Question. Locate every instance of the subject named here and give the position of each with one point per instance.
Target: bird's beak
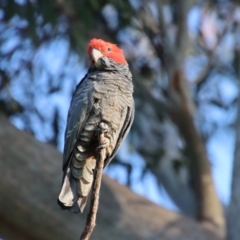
(96, 54)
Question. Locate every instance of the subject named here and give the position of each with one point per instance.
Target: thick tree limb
(30, 182)
(181, 111)
(210, 211)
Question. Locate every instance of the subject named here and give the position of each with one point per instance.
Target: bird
(101, 103)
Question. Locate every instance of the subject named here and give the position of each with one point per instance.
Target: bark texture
(30, 182)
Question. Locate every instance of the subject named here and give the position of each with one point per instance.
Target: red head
(107, 49)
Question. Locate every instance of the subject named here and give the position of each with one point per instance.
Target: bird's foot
(104, 143)
(103, 139)
(103, 127)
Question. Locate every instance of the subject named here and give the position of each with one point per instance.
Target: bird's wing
(78, 113)
(124, 131)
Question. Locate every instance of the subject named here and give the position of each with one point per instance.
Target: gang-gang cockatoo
(102, 102)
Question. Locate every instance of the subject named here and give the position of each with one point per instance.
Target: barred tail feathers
(76, 186)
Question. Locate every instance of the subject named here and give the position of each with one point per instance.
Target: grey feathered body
(103, 96)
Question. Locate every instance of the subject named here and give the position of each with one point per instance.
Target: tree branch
(181, 112)
(182, 39)
(30, 181)
(211, 52)
(91, 218)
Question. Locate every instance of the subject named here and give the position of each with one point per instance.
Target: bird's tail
(76, 186)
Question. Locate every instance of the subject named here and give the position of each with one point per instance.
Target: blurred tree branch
(211, 53)
(210, 210)
(234, 206)
(30, 172)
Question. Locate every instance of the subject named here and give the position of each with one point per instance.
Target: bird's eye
(109, 49)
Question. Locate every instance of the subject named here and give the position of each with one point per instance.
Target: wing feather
(124, 132)
(78, 113)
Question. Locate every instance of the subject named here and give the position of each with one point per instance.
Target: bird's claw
(102, 127)
(104, 144)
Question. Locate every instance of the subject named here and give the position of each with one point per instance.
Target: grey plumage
(103, 96)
